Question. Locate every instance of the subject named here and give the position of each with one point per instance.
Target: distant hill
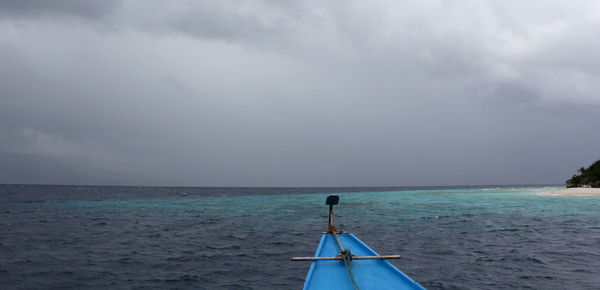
(34, 169)
(587, 177)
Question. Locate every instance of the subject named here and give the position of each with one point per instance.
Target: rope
(347, 258)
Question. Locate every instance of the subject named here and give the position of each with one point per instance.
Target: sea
(111, 237)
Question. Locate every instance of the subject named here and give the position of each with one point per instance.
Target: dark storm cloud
(36, 8)
(222, 20)
(304, 93)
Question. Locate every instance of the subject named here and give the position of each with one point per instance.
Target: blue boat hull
(369, 274)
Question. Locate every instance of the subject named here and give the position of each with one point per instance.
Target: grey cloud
(37, 8)
(232, 21)
(304, 94)
(510, 93)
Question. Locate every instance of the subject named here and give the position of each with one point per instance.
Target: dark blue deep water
(68, 237)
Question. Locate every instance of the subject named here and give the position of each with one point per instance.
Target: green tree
(587, 176)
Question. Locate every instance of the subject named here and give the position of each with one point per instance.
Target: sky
(300, 93)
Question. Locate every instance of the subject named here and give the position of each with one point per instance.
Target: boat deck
(369, 274)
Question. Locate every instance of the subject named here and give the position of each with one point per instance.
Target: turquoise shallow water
(471, 238)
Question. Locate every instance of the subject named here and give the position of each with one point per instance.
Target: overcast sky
(305, 93)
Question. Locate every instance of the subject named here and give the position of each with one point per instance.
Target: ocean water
(66, 237)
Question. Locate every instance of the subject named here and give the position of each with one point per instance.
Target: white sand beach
(577, 191)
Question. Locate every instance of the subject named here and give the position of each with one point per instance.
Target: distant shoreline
(38, 192)
(577, 191)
